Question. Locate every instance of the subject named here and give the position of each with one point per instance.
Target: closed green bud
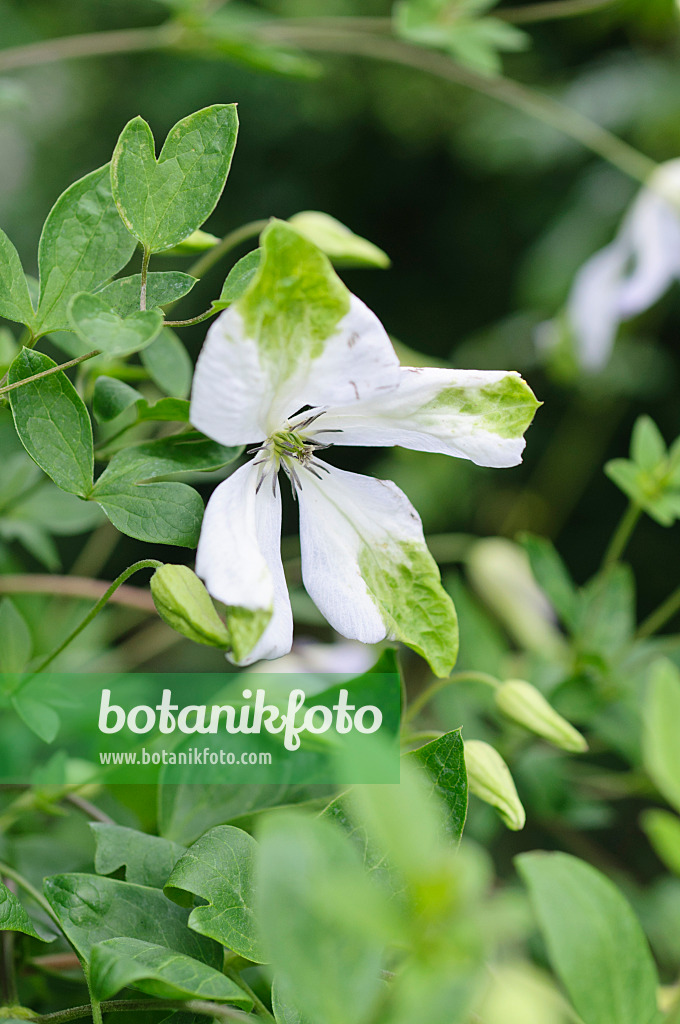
(183, 602)
(197, 241)
(489, 778)
(340, 244)
(523, 703)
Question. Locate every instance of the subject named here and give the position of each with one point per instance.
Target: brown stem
(77, 587)
(91, 44)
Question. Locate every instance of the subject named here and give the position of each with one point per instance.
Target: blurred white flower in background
(631, 273)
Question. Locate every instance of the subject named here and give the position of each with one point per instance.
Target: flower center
(292, 445)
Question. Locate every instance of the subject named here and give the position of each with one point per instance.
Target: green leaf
(187, 811)
(97, 326)
(219, 868)
(92, 909)
(647, 446)
(118, 963)
(41, 718)
(282, 1005)
(162, 202)
(15, 301)
(148, 859)
(238, 280)
(16, 645)
(326, 924)
(83, 244)
(13, 917)
(594, 940)
(663, 831)
(122, 295)
(606, 621)
(444, 761)
(52, 423)
(163, 513)
(168, 364)
(661, 714)
(112, 397)
(344, 248)
(553, 577)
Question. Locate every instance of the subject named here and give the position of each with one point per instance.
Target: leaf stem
(78, 587)
(194, 319)
(245, 987)
(199, 1006)
(622, 535)
(535, 104)
(146, 563)
(229, 242)
(38, 897)
(417, 705)
(146, 256)
(52, 369)
(660, 616)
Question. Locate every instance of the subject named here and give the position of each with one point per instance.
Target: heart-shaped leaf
(162, 201)
(99, 326)
(82, 245)
(219, 868)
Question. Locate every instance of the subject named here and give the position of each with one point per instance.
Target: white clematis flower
(296, 365)
(632, 272)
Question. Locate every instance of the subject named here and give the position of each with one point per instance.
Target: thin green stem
(146, 563)
(194, 319)
(658, 618)
(52, 369)
(38, 897)
(9, 977)
(535, 104)
(146, 256)
(229, 242)
(622, 535)
(417, 705)
(245, 987)
(217, 1011)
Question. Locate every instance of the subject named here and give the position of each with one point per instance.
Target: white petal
(231, 390)
(653, 231)
(594, 304)
(356, 362)
(240, 394)
(474, 414)
(367, 568)
(239, 556)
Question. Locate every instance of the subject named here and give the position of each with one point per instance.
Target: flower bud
(197, 241)
(500, 572)
(338, 242)
(523, 703)
(183, 602)
(489, 778)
